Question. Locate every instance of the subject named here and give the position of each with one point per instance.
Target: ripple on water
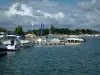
(54, 60)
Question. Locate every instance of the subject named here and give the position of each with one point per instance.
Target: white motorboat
(73, 41)
(12, 43)
(39, 41)
(26, 43)
(2, 34)
(3, 49)
(54, 40)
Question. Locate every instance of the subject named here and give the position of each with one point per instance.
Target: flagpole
(41, 29)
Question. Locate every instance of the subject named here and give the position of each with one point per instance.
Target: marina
(53, 54)
(54, 60)
(49, 37)
(14, 42)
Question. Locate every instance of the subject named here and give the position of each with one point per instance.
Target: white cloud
(57, 16)
(92, 13)
(93, 1)
(28, 11)
(25, 10)
(85, 15)
(21, 14)
(46, 0)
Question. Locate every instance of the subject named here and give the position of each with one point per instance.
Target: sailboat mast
(32, 26)
(49, 29)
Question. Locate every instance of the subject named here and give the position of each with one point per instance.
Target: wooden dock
(59, 43)
(53, 43)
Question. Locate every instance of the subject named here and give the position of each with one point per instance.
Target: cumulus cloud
(21, 14)
(25, 11)
(92, 12)
(85, 15)
(57, 16)
(90, 4)
(28, 11)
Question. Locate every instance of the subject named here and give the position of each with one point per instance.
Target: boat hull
(27, 44)
(72, 43)
(13, 48)
(3, 51)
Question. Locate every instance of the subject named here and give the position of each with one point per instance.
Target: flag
(42, 27)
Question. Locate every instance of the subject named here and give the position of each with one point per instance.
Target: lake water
(83, 59)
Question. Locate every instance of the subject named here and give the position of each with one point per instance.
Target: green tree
(52, 29)
(19, 30)
(83, 31)
(3, 30)
(46, 31)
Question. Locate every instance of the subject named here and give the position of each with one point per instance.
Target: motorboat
(3, 49)
(73, 41)
(40, 40)
(47, 40)
(12, 42)
(2, 35)
(26, 43)
(54, 40)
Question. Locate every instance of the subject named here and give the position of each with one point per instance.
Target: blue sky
(67, 1)
(5, 2)
(61, 13)
(9, 2)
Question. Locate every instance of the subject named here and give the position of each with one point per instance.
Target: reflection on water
(54, 60)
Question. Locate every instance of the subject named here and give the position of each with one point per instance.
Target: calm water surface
(83, 59)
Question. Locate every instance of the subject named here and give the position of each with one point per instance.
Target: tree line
(52, 30)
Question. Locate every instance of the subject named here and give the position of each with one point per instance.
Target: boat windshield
(10, 38)
(1, 34)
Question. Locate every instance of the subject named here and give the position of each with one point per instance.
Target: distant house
(30, 35)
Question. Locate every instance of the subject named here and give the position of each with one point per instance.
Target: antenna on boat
(29, 26)
(32, 28)
(32, 25)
